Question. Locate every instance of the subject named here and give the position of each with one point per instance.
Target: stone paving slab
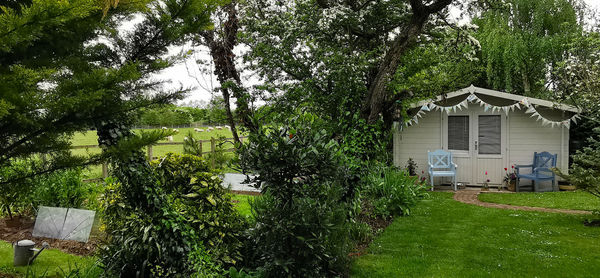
(470, 197)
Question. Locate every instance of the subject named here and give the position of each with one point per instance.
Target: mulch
(24, 230)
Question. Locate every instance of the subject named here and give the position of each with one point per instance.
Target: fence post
(200, 146)
(212, 151)
(150, 154)
(104, 170)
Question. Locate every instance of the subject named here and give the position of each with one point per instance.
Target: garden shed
(486, 131)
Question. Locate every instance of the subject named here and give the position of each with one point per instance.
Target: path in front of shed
(470, 197)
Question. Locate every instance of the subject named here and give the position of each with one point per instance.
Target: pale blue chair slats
(441, 165)
(541, 170)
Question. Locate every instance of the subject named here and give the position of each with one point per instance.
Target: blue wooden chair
(541, 170)
(441, 165)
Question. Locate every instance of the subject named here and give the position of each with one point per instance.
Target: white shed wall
(525, 135)
(414, 141)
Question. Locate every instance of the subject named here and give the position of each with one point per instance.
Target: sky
(187, 74)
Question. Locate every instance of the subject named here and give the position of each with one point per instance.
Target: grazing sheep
(200, 130)
(170, 138)
(228, 127)
(185, 138)
(164, 127)
(209, 129)
(176, 130)
(219, 127)
(196, 129)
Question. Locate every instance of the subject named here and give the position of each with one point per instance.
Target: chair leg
(431, 182)
(534, 183)
(554, 186)
(454, 182)
(517, 184)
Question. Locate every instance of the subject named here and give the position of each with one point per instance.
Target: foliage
(65, 189)
(15, 197)
(325, 56)
(392, 192)
(192, 226)
(191, 145)
(219, 156)
(522, 40)
(579, 75)
(585, 170)
(301, 220)
(200, 197)
(411, 167)
(166, 116)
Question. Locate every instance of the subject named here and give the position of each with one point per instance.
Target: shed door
(490, 141)
(477, 140)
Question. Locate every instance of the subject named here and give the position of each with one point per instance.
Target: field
(90, 138)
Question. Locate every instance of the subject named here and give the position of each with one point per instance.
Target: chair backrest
(544, 159)
(439, 159)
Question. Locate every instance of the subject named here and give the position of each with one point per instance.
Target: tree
(523, 41)
(336, 56)
(221, 41)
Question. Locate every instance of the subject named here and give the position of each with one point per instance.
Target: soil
(377, 225)
(592, 223)
(23, 231)
(253, 193)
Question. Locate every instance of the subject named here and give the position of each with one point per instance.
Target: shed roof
(501, 95)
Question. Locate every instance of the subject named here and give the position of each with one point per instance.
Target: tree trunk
(379, 102)
(221, 50)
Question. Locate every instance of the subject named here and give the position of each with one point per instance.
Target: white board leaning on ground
(486, 131)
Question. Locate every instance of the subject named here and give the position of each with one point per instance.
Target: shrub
(199, 196)
(15, 196)
(192, 230)
(64, 189)
(585, 170)
(302, 220)
(393, 192)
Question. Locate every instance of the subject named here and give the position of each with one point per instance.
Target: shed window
(458, 133)
(489, 134)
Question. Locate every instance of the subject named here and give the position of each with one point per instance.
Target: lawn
(445, 238)
(578, 200)
(243, 203)
(50, 263)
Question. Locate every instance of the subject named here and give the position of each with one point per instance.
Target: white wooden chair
(441, 165)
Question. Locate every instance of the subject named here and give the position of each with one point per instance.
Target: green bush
(392, 192)
(65, 189)
(199, 196)
(302, 220)
(15, 197)
(194, 230)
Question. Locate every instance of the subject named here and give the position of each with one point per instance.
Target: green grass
(243, 205)
(445, 238)
(52, 263)
(90, 138)
(577, 200)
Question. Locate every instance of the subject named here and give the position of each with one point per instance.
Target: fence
(150, 151)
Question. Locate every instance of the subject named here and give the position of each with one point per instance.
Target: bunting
(523, 103)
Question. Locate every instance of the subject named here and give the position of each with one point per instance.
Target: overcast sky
(187, 74)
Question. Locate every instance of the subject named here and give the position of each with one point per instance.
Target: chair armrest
(517, 167)
(543, 169)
